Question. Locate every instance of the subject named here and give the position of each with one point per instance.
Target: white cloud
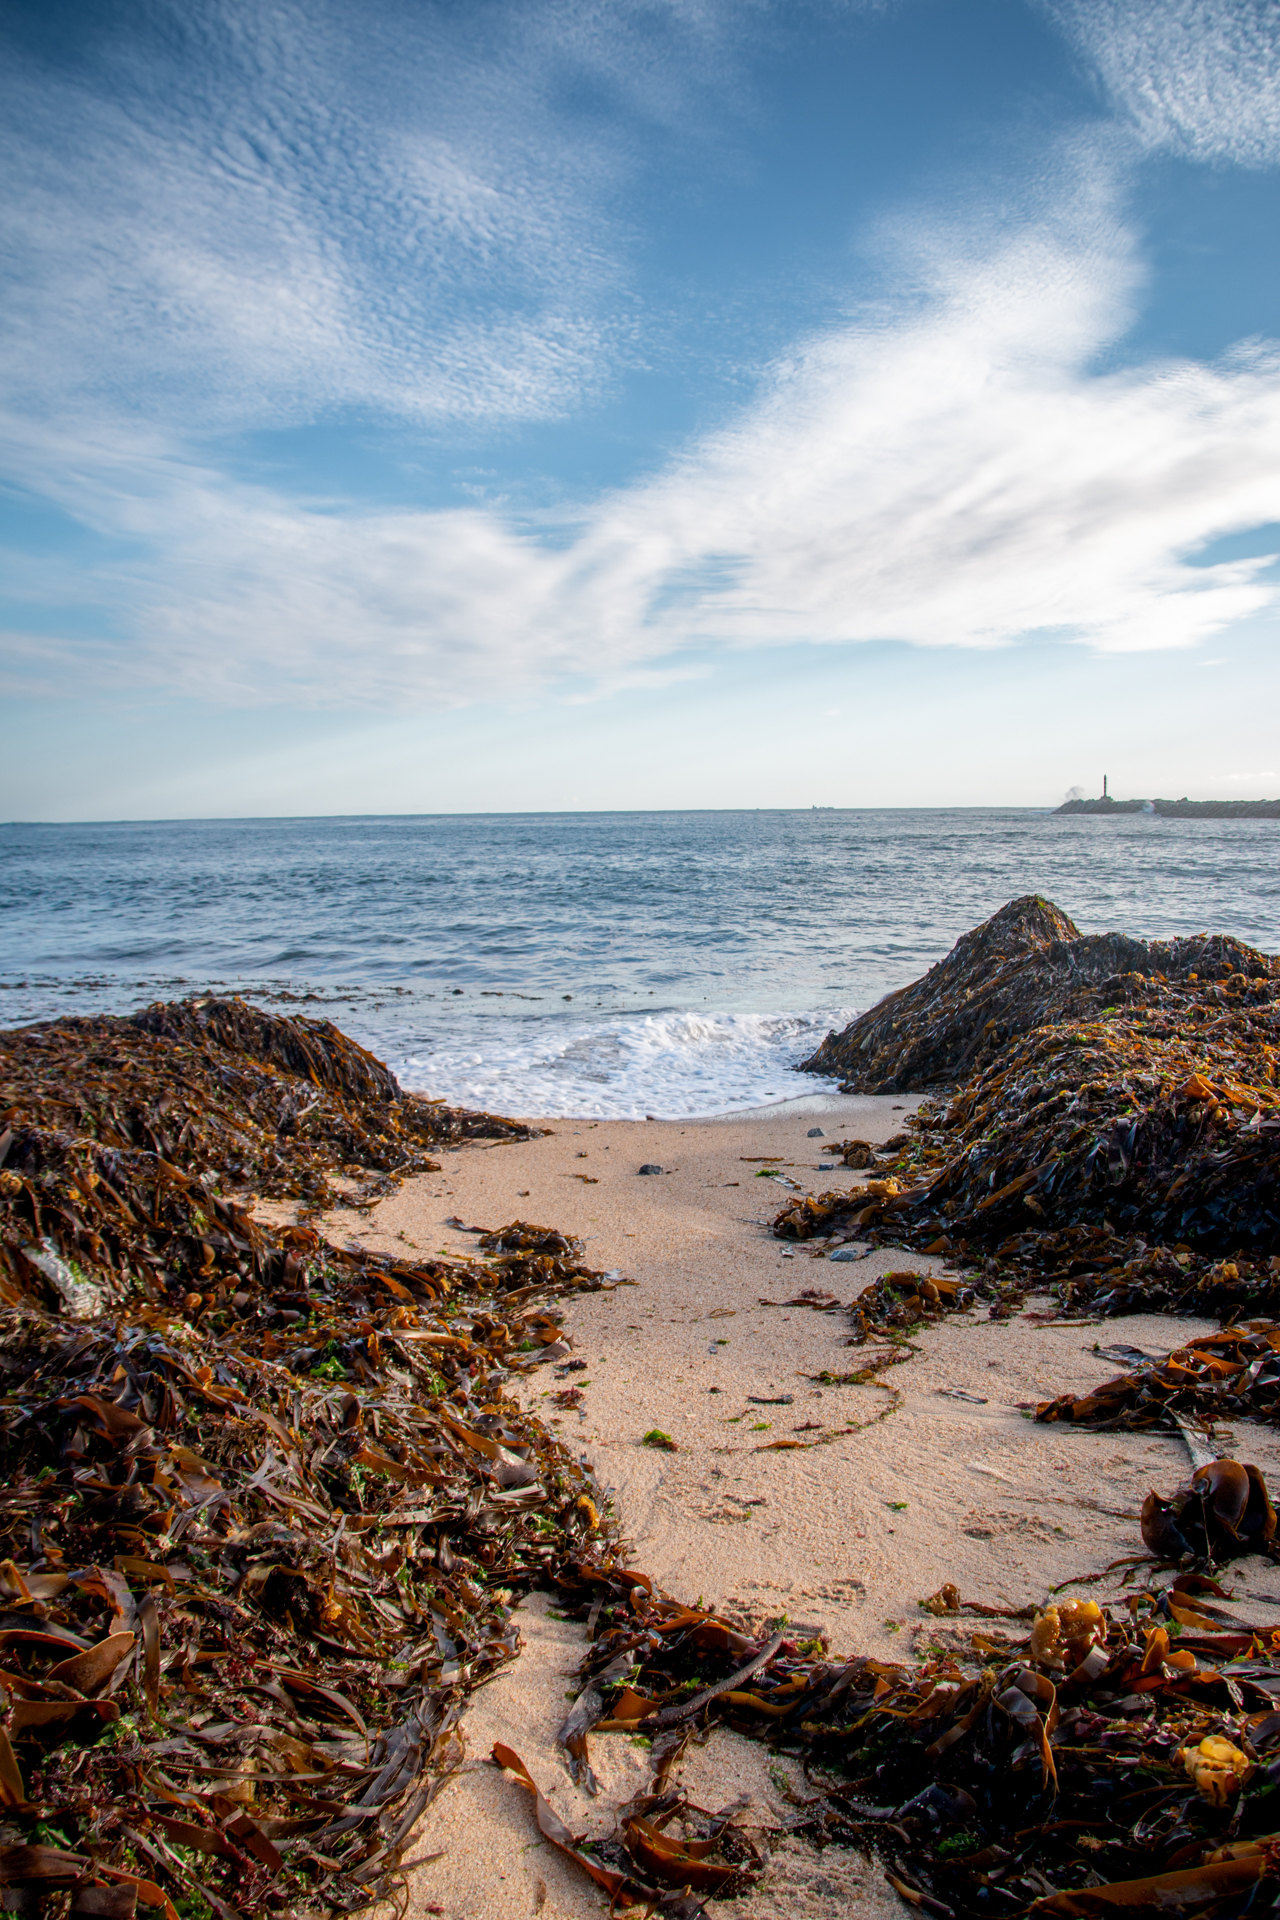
(241, 234)
(1200, 77)
(247, 215)
(959, 475)
(965, 478)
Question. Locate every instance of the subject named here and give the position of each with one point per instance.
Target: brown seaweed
(286, 1108)
(1027, 966)
(1097, 1762)
(640, 1861)
(1222, 1513)
(258, 1589)
(266, 1502)
(1128, 1152)
(1217, 1377)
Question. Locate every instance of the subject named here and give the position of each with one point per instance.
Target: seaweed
(1116, 1754)
(1223, 1513)
(1217, 1377)
(267, 1502)
(1128, 1152)
(285, 1108)
(1027, 966)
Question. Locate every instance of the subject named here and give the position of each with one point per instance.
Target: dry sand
(847, 1535)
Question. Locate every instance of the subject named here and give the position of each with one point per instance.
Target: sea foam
(672, 1065)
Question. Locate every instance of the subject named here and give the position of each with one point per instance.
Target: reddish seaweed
(1110, 1755)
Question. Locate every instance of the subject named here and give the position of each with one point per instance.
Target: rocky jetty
(1183, 809)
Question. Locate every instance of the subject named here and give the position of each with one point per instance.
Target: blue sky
(681, 403)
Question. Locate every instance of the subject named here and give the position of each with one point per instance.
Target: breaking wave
(671, 1065)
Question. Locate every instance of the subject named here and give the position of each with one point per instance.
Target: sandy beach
(883, 1494)
(759, 1456)
(647, 560)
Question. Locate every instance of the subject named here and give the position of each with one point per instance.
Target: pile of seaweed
(280, 1107)
(267, 1502)
(1029, 966)
(1098, 1757)
(1130, 1156)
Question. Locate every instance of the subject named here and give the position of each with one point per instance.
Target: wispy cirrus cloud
(957, 473)
(232, 215)
(255, 216)
(1196, 77)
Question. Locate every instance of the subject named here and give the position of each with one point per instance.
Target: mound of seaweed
(1132, 1156)
(1174, 1134)
(265, 1502)
(1220, 1376)
(1027, 966)
(283, 1107)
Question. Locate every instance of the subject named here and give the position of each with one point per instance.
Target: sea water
(604, 965)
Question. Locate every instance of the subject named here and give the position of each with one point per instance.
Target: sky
(462, 405)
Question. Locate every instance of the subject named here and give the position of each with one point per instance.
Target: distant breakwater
(1180, 809)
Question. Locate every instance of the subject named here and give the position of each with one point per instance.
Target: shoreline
(885, 1492)
(756, 1466)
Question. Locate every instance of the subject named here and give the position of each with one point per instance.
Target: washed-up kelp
(1133, 1157)
(1223, 1513)
(124, 1142)
(1167, 1129)
(642, 1860)
(248, 1580)
(837, 1215)
(1218, 1377)
(266, 1501)
(1024, 968)
(281, 1107)
(904, 1301)
(1115, 1756)
(856, 1153)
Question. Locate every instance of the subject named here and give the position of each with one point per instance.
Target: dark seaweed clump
(1029, 966)
(286, 1108)
(1126, 1150)
(1072, 1761)
(267, 1502)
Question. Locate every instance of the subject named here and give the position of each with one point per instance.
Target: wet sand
(890, 1495)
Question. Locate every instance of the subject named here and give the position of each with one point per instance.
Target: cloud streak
(260, 217)
(957, 475)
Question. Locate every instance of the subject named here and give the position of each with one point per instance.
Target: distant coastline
(1179, 809)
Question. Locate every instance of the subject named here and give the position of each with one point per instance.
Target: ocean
(602, 965)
